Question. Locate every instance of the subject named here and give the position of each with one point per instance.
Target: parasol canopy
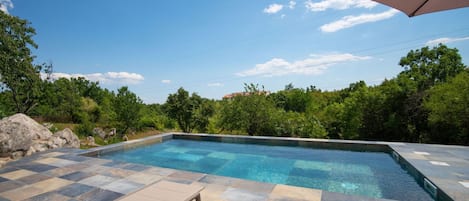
(419, 7)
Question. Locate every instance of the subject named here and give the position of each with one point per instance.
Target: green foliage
(189, 111)
(427, 102)
(127, 107)
(18, 75)
(448, 104)
(250, 112)
(430, 66)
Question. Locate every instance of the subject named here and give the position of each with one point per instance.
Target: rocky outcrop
(19, 132)
(20, 135)
(65, 138)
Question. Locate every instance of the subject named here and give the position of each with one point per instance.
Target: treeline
(427, 102)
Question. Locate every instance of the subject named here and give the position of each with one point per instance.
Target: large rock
(99, 132)
(18, 133)
(22, 136)
(64, 138)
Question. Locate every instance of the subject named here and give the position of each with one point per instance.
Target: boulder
(64, 138)
(22, 136)
(89, 141)
(99, 132)
(18, 132)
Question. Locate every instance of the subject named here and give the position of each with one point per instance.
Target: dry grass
(143, 134)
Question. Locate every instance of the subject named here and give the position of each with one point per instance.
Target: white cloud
(350, 21)
(314, 65)
(273, 8)
(216, 84)
(338, 4)
(291, 4)
(104, 78)
(5, 5)
(445, 40)
(166, 81)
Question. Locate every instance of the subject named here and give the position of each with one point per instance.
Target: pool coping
(423, 161)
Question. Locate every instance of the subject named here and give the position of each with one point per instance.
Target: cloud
(314, 65)
(445, 40)
(5, 5)
(291, 4)
(166, 81)
(350, 21)
(338, 4)
(273, 8)
(104, 78)
(216, 84)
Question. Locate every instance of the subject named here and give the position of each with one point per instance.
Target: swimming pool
(371, 174)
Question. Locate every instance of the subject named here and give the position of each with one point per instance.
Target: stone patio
(64, 174)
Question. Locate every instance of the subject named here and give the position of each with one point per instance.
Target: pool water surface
(371, 174)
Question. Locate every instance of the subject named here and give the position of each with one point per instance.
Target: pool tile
(439, 163)
(219, 180)
(17, 174)
(37, 167)
(53, 154)
(74, 190)
(56, 162)
(239, 194)
(212, 191)
(135, 167)
(123, 186)
(187, 175)
(9, 185)
(115, 164)
(97, 169)
(77, 176)
(421, 153)
(284, 192)
(7, 169)
(74, 158)
(98, 180)
(160, 171)
(48, 197)
(22, 193)
(59, 171)
(78, 166)
(254, 186)
(465, 183)
(144, 178)
(99, 195)
(330, 196)
(33, 178)
(119, 173)
(51, 184)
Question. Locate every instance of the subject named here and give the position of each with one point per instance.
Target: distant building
(232, 95)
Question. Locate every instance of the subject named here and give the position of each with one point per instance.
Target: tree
(448, 104)
(189, 111)
(127, 107)
(430, 66)
(251, 112)
(18, 75)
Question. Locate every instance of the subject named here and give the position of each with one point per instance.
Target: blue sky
(212, 47)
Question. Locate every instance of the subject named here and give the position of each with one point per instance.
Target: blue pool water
(368, 174)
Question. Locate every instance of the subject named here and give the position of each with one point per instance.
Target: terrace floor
(64, 174)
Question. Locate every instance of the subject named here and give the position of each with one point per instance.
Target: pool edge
(373, 146)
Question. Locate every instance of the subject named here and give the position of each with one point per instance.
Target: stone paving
(63, 174)
(447, 167)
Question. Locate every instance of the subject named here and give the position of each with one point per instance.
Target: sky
(213, 47)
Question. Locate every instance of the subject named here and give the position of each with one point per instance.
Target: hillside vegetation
(427, 102)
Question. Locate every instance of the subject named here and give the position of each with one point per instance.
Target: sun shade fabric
(419, 7)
